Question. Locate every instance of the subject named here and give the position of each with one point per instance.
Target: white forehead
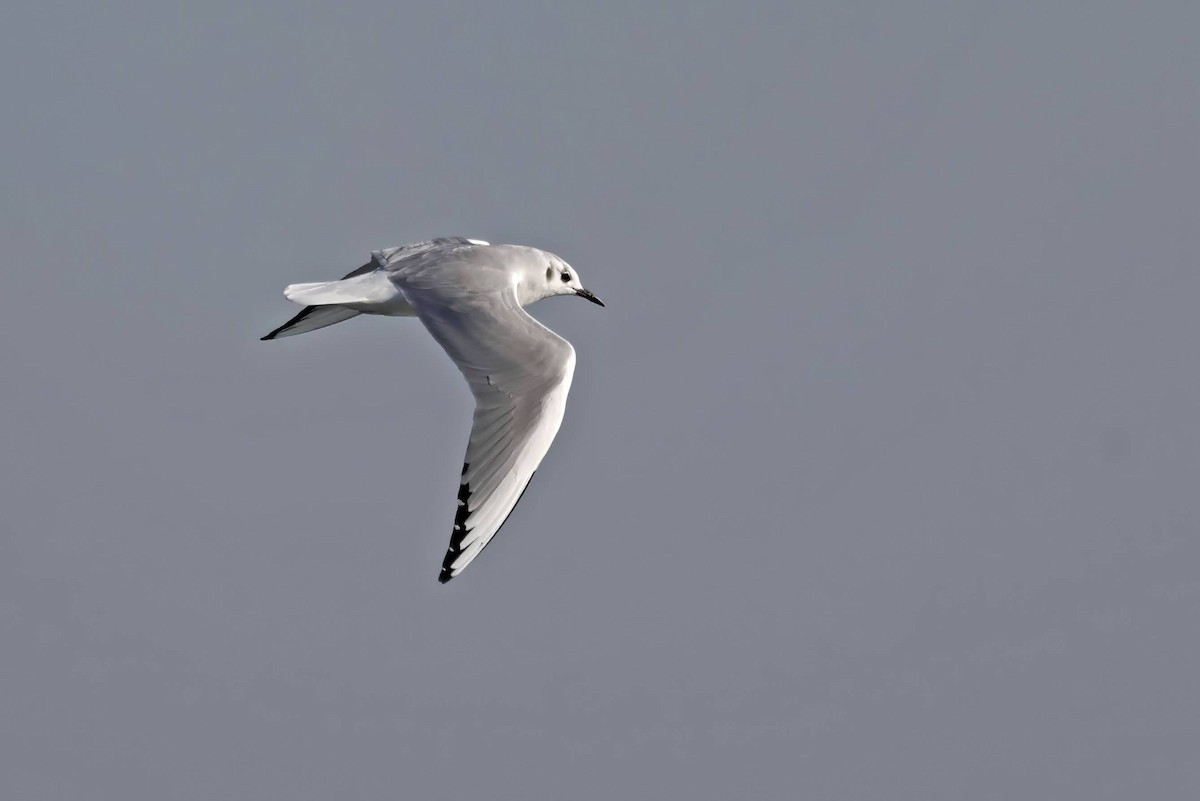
(539, 259)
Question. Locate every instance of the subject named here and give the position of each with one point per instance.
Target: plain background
(879, 475)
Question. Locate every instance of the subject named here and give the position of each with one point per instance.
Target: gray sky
(878, 478)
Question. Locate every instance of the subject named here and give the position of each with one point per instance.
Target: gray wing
(520, 373)
(311, 318)
(391, 258)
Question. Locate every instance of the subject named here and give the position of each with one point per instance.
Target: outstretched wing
(520, 373)
(393, 257)
(311, 318)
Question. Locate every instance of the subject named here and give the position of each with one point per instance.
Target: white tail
(327, 302)
(322, 293)
(372, 292)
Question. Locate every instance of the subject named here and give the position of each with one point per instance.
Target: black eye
(566, 277)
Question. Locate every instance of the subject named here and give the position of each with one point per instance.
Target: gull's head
(553, 276)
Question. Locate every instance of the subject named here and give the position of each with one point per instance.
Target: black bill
(584, 293)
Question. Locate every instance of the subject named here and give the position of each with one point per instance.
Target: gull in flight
(471, 297)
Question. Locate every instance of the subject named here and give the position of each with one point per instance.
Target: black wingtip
(459, 532)
(300, 315)
(288, 324)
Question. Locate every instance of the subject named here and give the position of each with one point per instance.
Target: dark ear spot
(549, 273)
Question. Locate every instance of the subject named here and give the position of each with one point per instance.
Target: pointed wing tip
(448, 571)
(457, 533)
(283, 328)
